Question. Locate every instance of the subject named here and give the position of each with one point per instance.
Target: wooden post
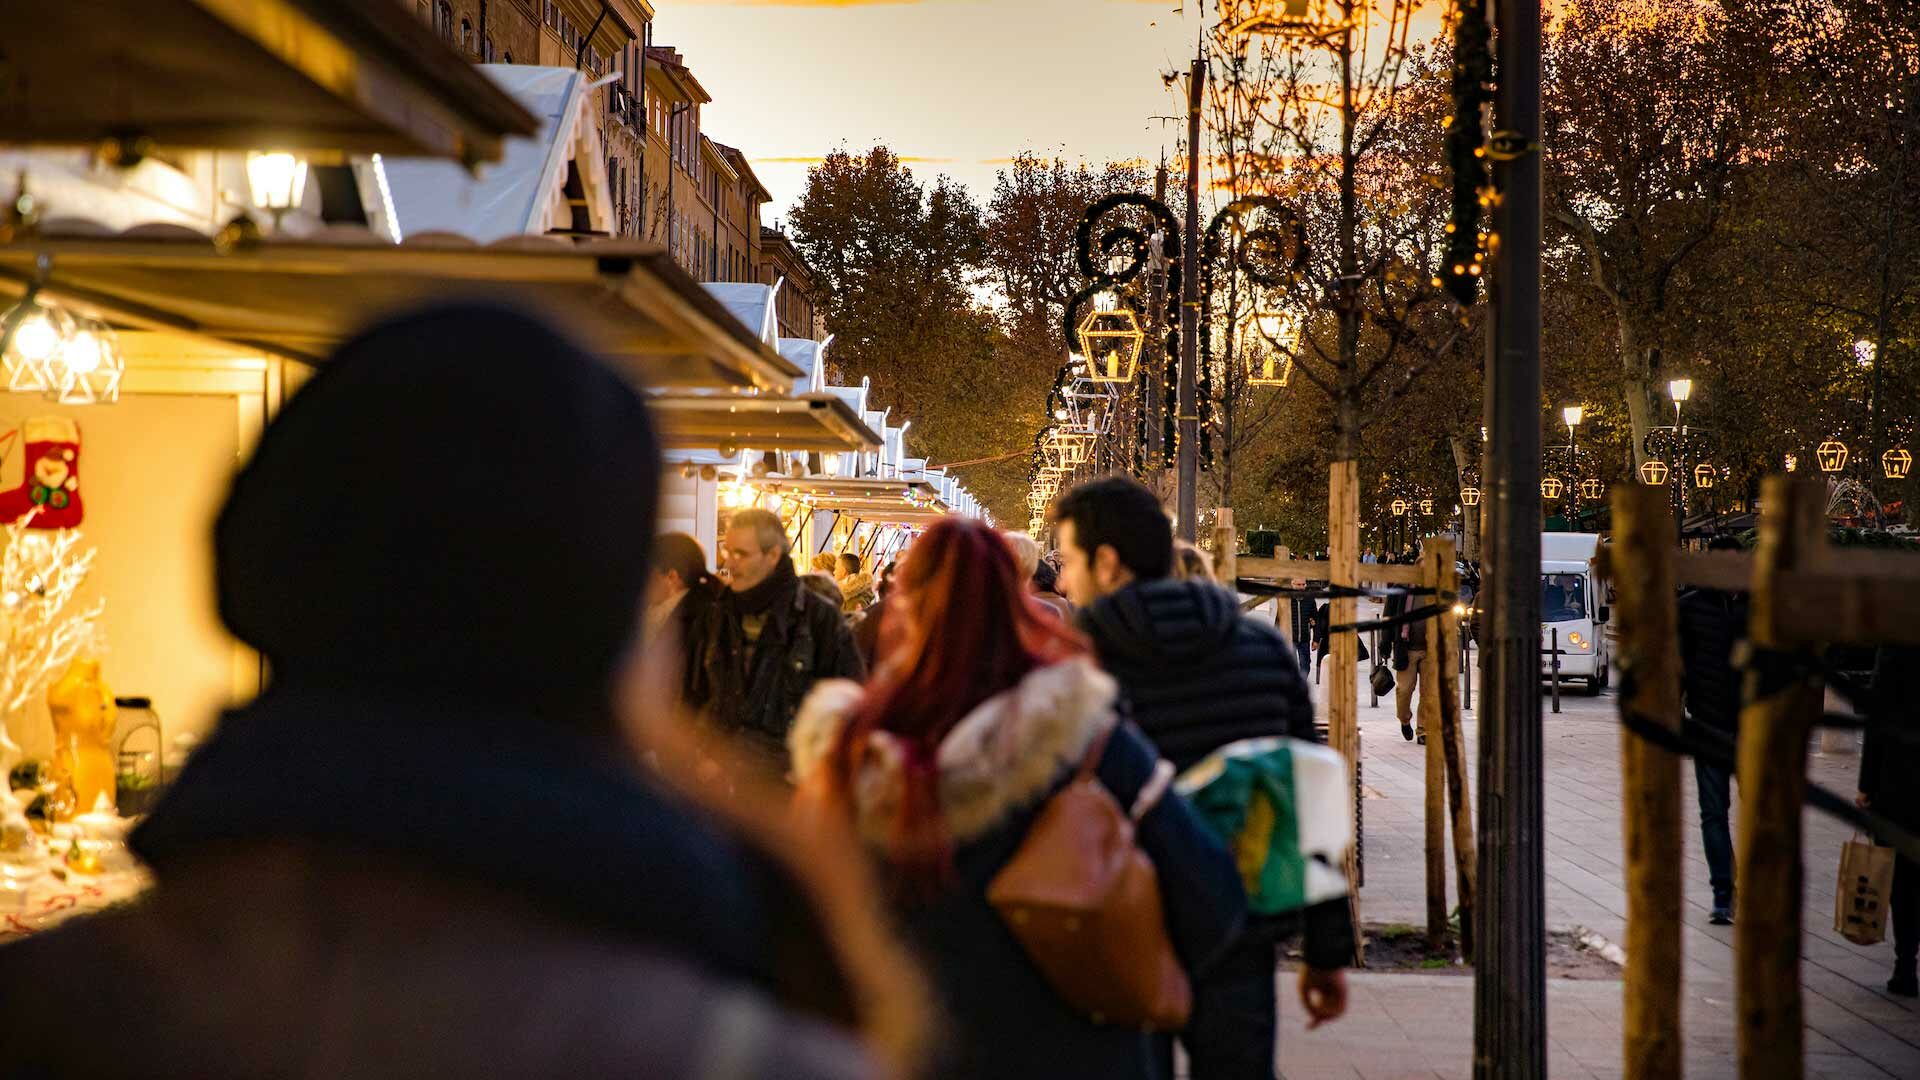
(1642, 576)
(1431, 662)
(1452, 745)
(1226, 550)
(1779, 713)
(1343, 698)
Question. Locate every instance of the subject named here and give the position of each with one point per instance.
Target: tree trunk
(1636, 380)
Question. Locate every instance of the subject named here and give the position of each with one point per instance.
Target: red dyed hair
(959, 628)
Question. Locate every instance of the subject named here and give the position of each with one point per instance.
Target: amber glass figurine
(83, 718)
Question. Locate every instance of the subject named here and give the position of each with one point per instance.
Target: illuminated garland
(1464, 261)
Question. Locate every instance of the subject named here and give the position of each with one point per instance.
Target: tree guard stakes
(1806, 595)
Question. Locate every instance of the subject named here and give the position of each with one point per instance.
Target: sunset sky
(960, 84)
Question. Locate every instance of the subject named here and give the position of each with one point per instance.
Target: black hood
(1160, 620)
(460, 503)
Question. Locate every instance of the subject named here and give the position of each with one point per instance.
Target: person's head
(849, 564)
(756, 545)
(1045, 579)
(1026, 553)
(679, 564)
(824, 563)
(1112, 532)
(822, 585)
(1190, 563)
(959, 629)
(408, 583)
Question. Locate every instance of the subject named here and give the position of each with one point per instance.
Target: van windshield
(1563, 597)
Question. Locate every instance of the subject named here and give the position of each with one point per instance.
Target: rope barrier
(1415, 615)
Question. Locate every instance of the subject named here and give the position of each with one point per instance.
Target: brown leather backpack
(1084, 901)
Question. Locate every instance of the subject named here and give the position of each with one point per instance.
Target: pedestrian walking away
(1409, 652)
(1198, 675)
(1890, 786)
(1712, 624)
(429, 849)
(765, 642)
(982, 706)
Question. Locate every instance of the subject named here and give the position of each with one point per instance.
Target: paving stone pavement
(1406, 1025)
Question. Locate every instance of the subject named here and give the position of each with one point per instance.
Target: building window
(443, 21)
(486, 50)
(466, 36)
(552, 19)
(506, 58)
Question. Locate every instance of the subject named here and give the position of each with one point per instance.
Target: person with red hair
(981, 706)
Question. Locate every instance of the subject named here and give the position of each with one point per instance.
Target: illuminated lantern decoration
(1896, 463)
(1592, 488)
(1704, 476)
(1654, 472)
(1399, 508)
(1307, 20)
(1426, 506)
(1832, 455)
(1270, 362)
(1551, 487)
(1111, 341)
(1470, 496)
(1792, 462)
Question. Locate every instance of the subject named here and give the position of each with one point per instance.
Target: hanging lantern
(1896, 463)
(1305, 20)
(1592, 488)
(1111, 341)
(1704, 476)
(40, 335)
(1832, 455)
(1654, 473)
(1470, 496)
(1270, 362)
(1399, 508)
(1551, 487)
(1426, 506)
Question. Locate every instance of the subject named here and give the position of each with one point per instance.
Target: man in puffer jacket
(1198, 675)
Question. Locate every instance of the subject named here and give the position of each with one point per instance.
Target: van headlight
(1579, 640)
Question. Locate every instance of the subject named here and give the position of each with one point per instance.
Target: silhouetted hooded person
(427, 849)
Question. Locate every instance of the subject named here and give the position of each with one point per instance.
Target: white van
(1573, 603)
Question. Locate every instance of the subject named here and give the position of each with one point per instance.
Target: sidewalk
(1422, 1025)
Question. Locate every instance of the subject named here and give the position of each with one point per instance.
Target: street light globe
(1573, 414)
(1680, 390)
(1863, 352)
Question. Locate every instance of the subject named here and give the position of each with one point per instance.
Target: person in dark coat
(429, 849)
(1890, 786)
(765, 642)
(679, 592)
(1712, 624)
(982, 708)
(1197, 675)
(1409, 652)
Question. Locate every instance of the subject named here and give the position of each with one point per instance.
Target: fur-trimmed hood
(998, 759)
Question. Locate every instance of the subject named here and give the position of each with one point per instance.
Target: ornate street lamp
(276, 180)
(1832, 456)
(1302, 20)
(1679, 390)
(1896, 463)
(1654, 473)
(1112, 342)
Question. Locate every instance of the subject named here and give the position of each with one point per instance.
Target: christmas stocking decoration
(51, 484)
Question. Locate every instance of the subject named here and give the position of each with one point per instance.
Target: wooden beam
(1343, 700)
(1643, 550)
(1453, 745)
(1430, 697)
(1842, 596)
(1226, 547)
(1290, 569)
(1774, 725)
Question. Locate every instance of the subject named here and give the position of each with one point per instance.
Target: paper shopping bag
(1860, 899)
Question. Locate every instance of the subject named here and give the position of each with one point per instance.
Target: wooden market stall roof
(882, 502)
(628, 302)
(809, 422)
(349, 76)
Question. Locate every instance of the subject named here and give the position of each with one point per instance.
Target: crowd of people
(524, 799)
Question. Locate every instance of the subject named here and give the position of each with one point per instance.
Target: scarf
(762, 597)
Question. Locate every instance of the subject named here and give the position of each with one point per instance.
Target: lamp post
(1679, 449)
